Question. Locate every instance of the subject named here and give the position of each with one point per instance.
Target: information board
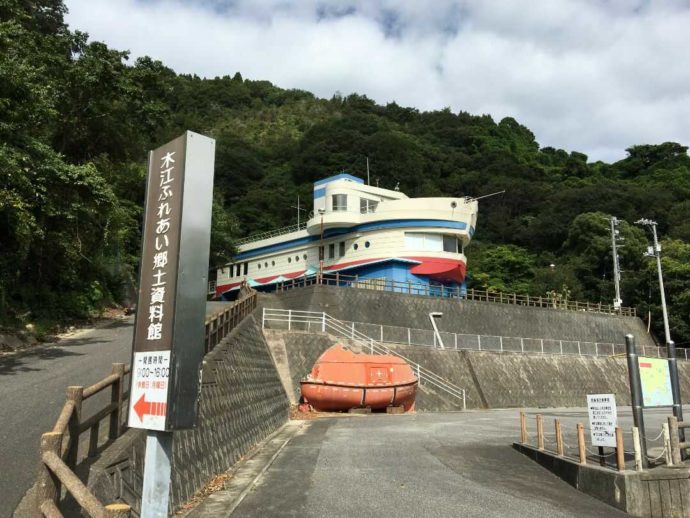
(603, 419)
(655, 379)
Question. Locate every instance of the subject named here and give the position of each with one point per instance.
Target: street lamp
(655, 251)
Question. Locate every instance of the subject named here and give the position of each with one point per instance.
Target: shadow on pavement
(15, 364)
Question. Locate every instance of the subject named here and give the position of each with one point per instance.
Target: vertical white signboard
(603, 419)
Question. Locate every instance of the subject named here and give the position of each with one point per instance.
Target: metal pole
(156, 492)
(617, 303)
(675, 386)
(636, 394)
(657, 253)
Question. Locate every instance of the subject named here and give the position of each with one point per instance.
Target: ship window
(339, 202)
(246, 268)
(331, 251)
(289, 259)
(266, 264)
(450, 244)
(296, 258)
(355, 246)
(367, 244)
(273, 263)
(238, 270)
(367, 205)
(426, 242)
(304, 257)
(259, 266)
(341, 249)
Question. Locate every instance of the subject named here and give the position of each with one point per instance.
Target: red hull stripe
(436, 268)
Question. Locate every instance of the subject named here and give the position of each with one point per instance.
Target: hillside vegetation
(77, 118)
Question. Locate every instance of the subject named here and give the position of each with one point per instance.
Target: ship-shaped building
(378, 236)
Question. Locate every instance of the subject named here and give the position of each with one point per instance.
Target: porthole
(304, 257)
(266, 264)
(367, 244)
(259, 265)
(273, 263)
(289, 259)
(356, 246)
(296, 258)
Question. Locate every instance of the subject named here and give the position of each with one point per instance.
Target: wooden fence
(60, 446)
(439, 290)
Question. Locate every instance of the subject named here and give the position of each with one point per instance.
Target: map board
(655, 379)
(603, 419)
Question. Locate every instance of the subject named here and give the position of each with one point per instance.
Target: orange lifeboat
(341, 380)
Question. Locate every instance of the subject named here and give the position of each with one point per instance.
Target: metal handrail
(375, 347)
(272, 233)
(439, 290)
(600, 349)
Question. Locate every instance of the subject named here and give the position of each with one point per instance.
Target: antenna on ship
(368, 182)
(299, 209)
(470, 198)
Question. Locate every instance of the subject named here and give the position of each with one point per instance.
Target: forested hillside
(77, 118)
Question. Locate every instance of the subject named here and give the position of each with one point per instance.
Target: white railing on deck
(325, 323)
(272, 233)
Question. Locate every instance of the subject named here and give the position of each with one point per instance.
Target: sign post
(168, 345)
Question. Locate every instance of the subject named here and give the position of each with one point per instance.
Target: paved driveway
(436, 465)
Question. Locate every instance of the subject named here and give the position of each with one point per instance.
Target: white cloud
(583, 75)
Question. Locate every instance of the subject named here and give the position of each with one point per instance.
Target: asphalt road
(442, 465)
(32, 393)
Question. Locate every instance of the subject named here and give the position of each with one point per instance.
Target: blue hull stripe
(402, 223)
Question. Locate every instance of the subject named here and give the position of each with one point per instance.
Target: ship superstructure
(356, 229)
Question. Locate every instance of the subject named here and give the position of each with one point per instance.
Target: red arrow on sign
(143, 407)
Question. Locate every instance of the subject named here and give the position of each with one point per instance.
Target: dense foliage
(76, 120)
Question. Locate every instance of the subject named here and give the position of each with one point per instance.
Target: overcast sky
(595, 76)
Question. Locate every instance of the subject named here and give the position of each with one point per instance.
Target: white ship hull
(365, 231)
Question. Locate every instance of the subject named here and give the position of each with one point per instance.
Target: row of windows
(339, 203)
(413, 241)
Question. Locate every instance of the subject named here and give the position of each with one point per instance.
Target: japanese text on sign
(603, 419)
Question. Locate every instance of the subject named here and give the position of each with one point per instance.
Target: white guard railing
(302, 320)
(471, 342)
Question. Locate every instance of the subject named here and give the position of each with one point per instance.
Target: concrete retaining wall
(459, 316)
(660, 492)
(242, 402)
(491, 379)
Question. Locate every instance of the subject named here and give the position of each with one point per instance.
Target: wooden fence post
(117, 511)
(582, 449)
(675, 440)
(620, 450)
(523, 428)
(48, 485)
(76, 395)
(559, 437)
(116, 392)
(540, 432)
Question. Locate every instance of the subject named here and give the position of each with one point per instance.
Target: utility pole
(655, 251)
(617, 302)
